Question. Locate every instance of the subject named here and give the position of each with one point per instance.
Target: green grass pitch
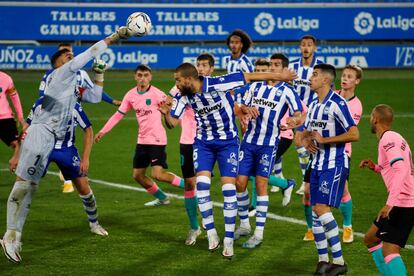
(150, 241)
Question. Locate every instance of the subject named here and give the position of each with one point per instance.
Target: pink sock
(346, 198)
(153, 189)
(189, 194)
(389, 258)
(176, 180)
(374, 248)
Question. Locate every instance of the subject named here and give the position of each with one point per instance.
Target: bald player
(392, 227)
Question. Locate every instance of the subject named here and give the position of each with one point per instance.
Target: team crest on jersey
(324, 187)
(232, 160)
(278, 93)
(342, 103)
(148, 101)
(326, 110)
(265, 160)
(214, 94)
(174, 104)
(75, 161)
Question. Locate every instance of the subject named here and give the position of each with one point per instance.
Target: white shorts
(34, 153)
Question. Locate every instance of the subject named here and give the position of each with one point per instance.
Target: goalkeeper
(61, 93)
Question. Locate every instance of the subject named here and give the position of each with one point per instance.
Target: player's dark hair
(187, 70)
(384, 113)
(143, 67)
(308, 37)
(262, 61)
(245, 39)
(326, 68)
(282, 57)
(208, 57)
(355, 68)
(65, 45)
(57, 55)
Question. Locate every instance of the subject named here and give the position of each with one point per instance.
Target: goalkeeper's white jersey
(62, 88)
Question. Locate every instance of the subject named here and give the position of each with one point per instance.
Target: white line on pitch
(216, 204)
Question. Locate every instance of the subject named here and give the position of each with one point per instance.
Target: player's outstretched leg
(151, 187)
(89, 204)
(230, 213)
(158, 173)
(206, 209)
(18, 206)
(161, 197)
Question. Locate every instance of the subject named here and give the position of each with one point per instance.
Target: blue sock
(278, 182)
(332, 235)
(204, 201)
(376, 253)
(229, 211)
(395, 267)
(346, 211)
(243, 208)
(89, 203)
(320, 239)
(261, 213)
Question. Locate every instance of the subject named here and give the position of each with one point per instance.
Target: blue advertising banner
(271, 22)
(160, 57)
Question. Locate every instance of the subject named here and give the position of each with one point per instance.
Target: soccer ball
(139, 23)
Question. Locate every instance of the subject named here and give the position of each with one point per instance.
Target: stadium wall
(373, 35)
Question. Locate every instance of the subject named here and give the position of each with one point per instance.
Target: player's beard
(186, 90)
(373, 129)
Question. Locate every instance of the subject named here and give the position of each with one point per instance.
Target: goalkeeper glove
(99, 67)
(121, 33)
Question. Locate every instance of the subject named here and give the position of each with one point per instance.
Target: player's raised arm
(116, 117)
(285, 75)
(92, 52)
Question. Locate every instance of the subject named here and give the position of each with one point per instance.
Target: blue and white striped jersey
(79, 118)
(213, 107)
(242, 64)
(330, 118)
(272, 102)
(302, 83)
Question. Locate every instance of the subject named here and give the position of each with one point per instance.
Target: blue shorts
(327, 187)
(68, 161)
(256, 160)
(225, 152)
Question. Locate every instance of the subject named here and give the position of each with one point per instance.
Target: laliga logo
(364, 23)
(264, 23)
(108, 56)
